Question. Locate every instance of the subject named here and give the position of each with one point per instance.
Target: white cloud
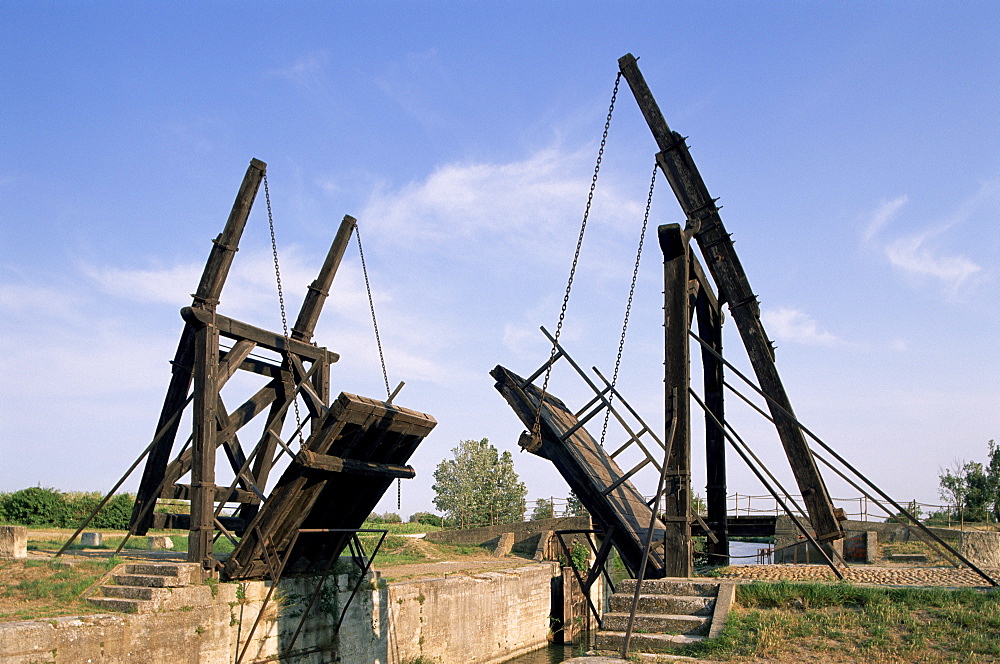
(524, 206)
(791, 325)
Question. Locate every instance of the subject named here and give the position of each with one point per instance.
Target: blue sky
(854, 147)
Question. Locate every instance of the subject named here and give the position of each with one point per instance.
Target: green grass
(808, 622)
(41, 589)
(402, 528)
(179, 539)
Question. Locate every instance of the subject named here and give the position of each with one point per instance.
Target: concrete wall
(526, 534)
(484, 618)
(982, 548)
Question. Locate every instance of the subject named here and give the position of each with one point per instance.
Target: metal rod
(774, 494)
(652, 522)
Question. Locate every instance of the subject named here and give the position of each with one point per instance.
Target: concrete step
(148, 581)
(677, 587)
(613, 641)
(648, 623)
(668, 604)
(133, 592)
(124, 605)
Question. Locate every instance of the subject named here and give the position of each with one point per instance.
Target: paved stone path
(891, 576)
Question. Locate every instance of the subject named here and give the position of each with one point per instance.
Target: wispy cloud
(885, 212)
(921, 255)
(308, 72)
(794, 326)
(917, 256)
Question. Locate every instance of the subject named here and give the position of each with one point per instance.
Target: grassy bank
(829, 623)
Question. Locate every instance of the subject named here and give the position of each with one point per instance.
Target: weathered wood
(335, 464)
(676, 162)
(232, 361)
(234, 329)
(588, 470)
(363, 433)
(710, 329)
(318, 291)
(183, 522)
(225, 245)
(222, 494)
(203, 445)
(677, 379)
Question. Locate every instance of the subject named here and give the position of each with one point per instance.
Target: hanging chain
(628, 307)
(281, 302)
(371, 305)
(536, 429)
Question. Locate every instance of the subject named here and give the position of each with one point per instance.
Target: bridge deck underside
(589, 471)
(355, 428)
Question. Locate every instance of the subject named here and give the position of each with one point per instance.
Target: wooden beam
(677, 380)
(312, 306)
(205, 427)
(710, 329)
(234, 329)
(222, 494)
(676, 162)
(335, 464)
(225, 245)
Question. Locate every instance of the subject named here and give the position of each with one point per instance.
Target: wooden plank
(710, 329)
(231, 361)
(183, 522)
(676, 162)
(234, 329)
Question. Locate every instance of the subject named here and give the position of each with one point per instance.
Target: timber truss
(348, 456)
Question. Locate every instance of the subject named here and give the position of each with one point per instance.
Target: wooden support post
(206, 399)
(710, 329)
(677, 379)
(717, 248)
(319, 290)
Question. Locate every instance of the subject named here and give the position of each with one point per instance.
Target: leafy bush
(36, 506)
(116, 514)
(426, 518)
(391, 517)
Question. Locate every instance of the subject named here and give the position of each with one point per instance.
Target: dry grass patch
(45, 589)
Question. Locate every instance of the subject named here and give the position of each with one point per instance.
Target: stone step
(183, 572)
(669, 604)
(648, 623)
(677, 587)
(613, 641)
(148, 581)
(133, 592)
(124, 605)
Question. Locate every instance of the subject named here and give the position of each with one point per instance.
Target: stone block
(13, 542)
(91, 540)
(980, 547)
(504, 546)
(159, 542)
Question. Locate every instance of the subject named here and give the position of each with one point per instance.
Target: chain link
(628, 307)
(536, 429)
(371, 305)
(281, 302)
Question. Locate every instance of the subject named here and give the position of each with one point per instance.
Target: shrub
(116, 514)
(36, 506)
(391, 517)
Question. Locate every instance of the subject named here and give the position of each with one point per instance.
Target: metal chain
(536, 429)
(281, 302)
(371, 305)
(628, 307)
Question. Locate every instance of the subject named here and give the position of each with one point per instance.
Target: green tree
(574, 506)
(479, 486)
(544, 509)
(973, 488)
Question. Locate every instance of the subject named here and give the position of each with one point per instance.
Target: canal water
(743, 553)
